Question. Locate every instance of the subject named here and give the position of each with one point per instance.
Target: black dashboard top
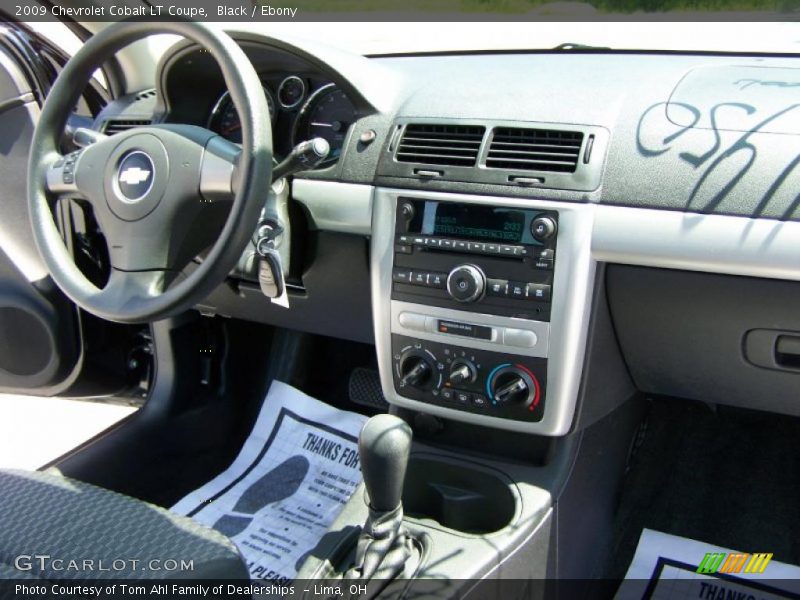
(697, 133)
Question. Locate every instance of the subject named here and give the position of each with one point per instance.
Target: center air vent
(113, 126)
(534, 149)
(450, 145)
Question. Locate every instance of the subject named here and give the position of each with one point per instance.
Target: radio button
(412, 321)
(506, 250)
(497, 287)
(544, 263)
(539, 291)
(403, 249)
(460, 245)
(447, 244)
(419, 241)
(437, 280)
(476, 247)
(520, 338)
(547, 254)
(419, 277)
(516, 289)
(401, 275)
(492, 249)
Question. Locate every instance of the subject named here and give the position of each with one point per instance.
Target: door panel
(39, 341)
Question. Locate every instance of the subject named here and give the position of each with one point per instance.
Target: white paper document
(296, 471)
(665, 567)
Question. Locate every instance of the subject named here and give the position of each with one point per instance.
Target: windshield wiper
(575, 46)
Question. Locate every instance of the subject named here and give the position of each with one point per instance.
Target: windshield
(409, 38)
(380, 38)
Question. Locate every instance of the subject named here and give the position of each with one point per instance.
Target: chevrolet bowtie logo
(134, 176)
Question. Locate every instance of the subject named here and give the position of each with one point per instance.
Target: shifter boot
(384, 547)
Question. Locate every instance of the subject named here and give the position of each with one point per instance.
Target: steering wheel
(151, 187)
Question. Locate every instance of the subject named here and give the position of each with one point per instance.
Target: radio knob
(543, 228)
(407, 212)
(466, 283)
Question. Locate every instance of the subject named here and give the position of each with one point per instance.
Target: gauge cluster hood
(371, 87)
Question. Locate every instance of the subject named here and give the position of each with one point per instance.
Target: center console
(479, 260)
(481, 306)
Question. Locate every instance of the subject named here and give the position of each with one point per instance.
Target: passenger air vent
(449, 145)
(113, 126)
(534, 149)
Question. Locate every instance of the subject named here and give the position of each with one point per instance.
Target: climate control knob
(512, 384)
(416, 371)
(466, 283)
(462, 371)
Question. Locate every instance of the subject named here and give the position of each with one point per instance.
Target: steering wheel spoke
(60, 174)
(219, 170)
(130, 290)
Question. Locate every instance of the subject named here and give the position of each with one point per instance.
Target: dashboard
(486, 220)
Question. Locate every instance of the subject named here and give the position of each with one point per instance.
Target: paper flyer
(296, 471)
(668, 567)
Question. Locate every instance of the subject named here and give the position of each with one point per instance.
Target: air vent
(145, 95)
(449, 145)
(534, 149)
(113, 126)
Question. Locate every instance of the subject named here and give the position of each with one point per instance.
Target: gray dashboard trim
(697, 242)
(334, 206)
(627, 235)
(540, 329)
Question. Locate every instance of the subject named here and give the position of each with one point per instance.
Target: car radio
(475, 258)
(471, 293)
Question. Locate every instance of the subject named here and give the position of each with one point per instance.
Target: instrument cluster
(301, 107)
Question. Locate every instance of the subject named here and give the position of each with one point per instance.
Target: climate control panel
(467, 379)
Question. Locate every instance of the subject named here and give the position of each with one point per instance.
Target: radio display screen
(473, 222)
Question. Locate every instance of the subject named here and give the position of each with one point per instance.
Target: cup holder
(458, 495)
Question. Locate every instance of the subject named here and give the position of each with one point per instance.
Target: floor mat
(668, 567)
(297, 469)
(729, 477)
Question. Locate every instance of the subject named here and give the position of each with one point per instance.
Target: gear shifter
(383, 447)
(384, 545)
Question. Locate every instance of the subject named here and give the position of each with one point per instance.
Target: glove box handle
(773, 349)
